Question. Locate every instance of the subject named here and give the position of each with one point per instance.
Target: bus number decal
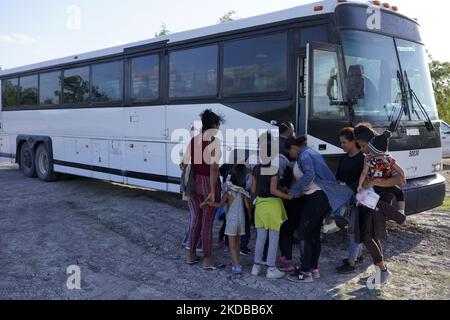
(414, 153)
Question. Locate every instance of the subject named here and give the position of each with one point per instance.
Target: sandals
(236, 271)
(210, 268)
(214, 267)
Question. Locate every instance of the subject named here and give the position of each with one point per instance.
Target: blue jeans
(245, 239)
(354, 249)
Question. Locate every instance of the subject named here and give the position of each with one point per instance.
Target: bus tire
(43, 164)
(27, 161)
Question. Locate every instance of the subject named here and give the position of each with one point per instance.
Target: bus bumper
(423, 194)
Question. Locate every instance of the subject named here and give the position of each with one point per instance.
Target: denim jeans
(354, 249)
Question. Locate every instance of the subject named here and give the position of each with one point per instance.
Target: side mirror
(332, 85)
(355, 84)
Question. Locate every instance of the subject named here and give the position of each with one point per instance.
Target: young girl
(379, 165)
(236, 198)
(269, 214)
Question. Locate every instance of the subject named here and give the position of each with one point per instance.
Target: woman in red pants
(205, 154)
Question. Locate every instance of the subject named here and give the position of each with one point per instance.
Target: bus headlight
(437, 167)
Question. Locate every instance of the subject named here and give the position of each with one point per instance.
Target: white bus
(110, 114)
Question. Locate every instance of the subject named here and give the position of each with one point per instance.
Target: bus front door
(326, 111)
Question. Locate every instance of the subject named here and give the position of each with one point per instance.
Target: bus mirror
(355, 84)
(333, 86)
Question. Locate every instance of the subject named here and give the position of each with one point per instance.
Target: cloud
(17, 38)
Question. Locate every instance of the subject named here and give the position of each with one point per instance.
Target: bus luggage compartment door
(100, 159)
(146, 164)
(5, 149)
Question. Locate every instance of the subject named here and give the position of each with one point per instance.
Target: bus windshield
(414, 63)
(378, 57)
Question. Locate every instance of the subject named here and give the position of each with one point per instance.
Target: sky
(39, 30)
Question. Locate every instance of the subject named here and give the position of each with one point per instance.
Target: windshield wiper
(393, 107)
(404, 107)
(414, 98)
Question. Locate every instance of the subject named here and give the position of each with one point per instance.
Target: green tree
(440, 75)
(227, 16)
(163, 32)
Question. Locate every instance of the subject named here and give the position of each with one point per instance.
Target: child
(223, 243)
(379, 165)
(269, 214)
(236, 198)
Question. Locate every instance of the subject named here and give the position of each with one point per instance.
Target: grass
(445, 207)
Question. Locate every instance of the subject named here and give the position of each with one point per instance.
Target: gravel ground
(127, 243)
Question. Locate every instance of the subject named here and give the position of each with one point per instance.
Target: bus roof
(328, 6)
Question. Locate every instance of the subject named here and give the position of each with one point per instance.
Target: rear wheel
(27, 165)
(43, 165)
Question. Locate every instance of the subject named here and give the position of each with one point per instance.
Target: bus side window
(10, 92)
(145, 78)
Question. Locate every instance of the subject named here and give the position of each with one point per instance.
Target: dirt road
(126, 242)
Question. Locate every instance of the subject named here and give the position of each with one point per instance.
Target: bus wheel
(43, 168)
(27, 161)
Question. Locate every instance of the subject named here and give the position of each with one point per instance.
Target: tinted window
(255, 65)
(326, 86)
(375, 55)
(193, 72)
(107, 82)
(10, 92)
(145, 78)
(50, 88)
(313, 34)
(76, 85)
(29, 90)
(414, 60)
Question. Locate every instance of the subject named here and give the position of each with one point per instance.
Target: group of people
(290, 204)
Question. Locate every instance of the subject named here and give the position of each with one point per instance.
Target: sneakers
(346, 268)
(286, 265)
(360, 260)
(245, 251)
(386, 276)
(330, 227)
(301, 277)
(256, 270)
(316, 274)
(274, 273)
